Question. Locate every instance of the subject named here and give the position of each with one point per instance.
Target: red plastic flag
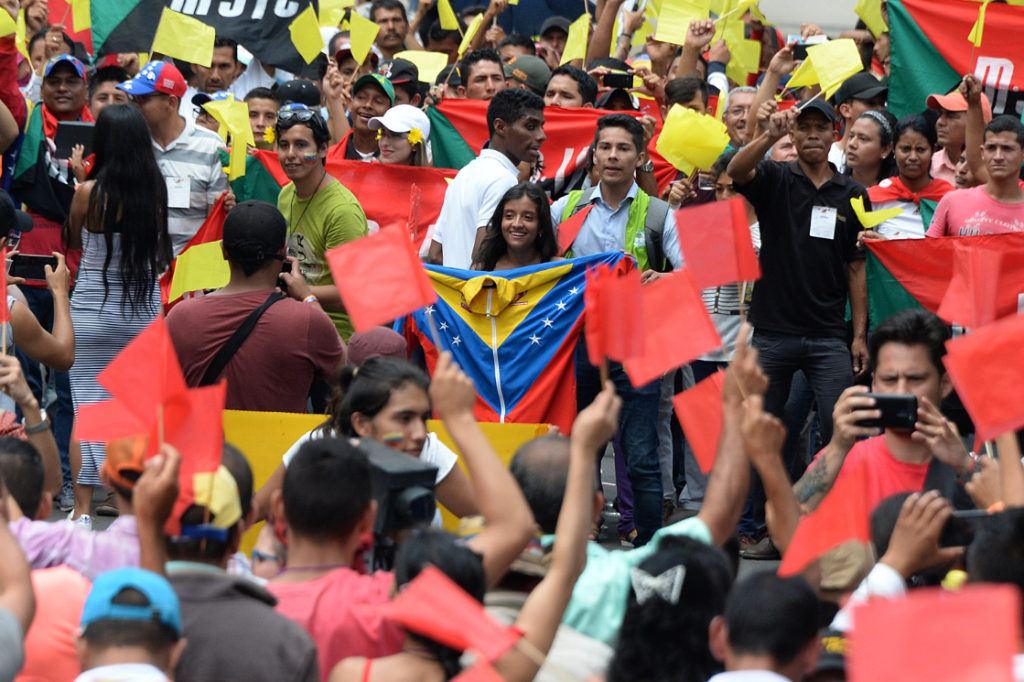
(434, 606)
(400, 284)
(987, 369)
(5, 311)
(106, 421)
(716, 243)
(569, 229)
(146, 375)
(913, 639)
(700, 413)
(970, 300)
(677, 328)
(840, 517)
(480, 672)
(614, 314)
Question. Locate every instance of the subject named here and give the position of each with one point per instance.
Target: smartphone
(618, 80)
(898, 411)
(31, 267)
(72, 133)
(961, 528)
(799, 52)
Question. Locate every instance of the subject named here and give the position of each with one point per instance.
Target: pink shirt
(886, 475)
(972, 212)
(50, 643)
(341, 612)
(942, 169)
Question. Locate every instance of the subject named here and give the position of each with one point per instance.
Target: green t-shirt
(330, 217)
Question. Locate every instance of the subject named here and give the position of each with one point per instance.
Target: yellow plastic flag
(746, 54)
(8, 24)
(872, 219)
(471, 30)
(183, 37)
(363, 33)
(19, 37)
(576, 44)
(834, 62)
(200, 267)
(332, 11)
(979, 26)
(804, 76)
(756, 12)
(871, 12)
(234, 116)
(446, 14)
(429, 64)
(690, 141)
(306, 38)
(80, 15)
(513, 2)
(675, 18)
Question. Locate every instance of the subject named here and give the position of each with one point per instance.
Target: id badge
(179, 193)
(823, 222)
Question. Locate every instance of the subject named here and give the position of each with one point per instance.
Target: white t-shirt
(469, 204)
(837, 157)
(255, 76)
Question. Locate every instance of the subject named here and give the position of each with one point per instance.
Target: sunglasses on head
(303, 115)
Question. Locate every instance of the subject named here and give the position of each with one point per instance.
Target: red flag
(916, 639)
(432, 605)
(106, 421)
(700, 413)
(987, 369)
(400, 284)
(480, 672)
(146, 374)
(841, 516)
(614, 314)
(5, 310)
(677, 328)
(569, 229)
(715, 239)
(970, 299)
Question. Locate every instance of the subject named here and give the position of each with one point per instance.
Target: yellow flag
(446, 14)
(363, 33)
(872, 219)
(804, 76)
(19, 37)
(979, 25)
(80, 15)
(200, 267)
(835, 62)
(576, 44)
(234, 116)
(756, 12)
(305, 31)
(640, 37)
(675, 18)
(871, 12)
(8, 25)
(690, 141)
(746, 54)
(471, 30)
(183, 37)
(429, 64)
(513, 2)
(331, 12)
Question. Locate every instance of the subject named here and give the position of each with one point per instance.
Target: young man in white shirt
(515, 121)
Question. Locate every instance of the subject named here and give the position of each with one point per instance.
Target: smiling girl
(402, 135)
(520, 232)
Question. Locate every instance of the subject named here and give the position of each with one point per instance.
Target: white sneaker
(83, 520)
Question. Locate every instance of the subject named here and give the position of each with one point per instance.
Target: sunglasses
(303, 115)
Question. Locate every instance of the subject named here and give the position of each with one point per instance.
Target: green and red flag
(931, 52)
(915, 273)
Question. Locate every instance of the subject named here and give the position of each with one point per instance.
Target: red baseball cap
(954, 101)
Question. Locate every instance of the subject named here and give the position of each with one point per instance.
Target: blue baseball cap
(54, 61)
(199, 99)
(163, 604)
(162, 77)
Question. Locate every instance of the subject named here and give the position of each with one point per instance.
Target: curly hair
(493, 246)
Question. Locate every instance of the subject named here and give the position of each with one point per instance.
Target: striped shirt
(724, 306)
(194, 156)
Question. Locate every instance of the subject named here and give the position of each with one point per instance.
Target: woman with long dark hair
(119, 220)
(520, 232)
(869, 152)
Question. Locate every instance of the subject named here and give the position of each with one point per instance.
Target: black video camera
(403, 487)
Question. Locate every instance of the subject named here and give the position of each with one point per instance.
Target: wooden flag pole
(604, 372)
(433, 332)
(802, 106)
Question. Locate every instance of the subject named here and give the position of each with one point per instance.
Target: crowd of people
(166, 592)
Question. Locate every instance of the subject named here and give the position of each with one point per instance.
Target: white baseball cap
(401, 119)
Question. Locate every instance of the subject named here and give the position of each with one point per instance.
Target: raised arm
(601, 42)
(744, 165)
(763, 438)
(541, 614)
(974, 136)
(698, 37)
(782, 64)
(510, 524)
(55, 350)
(154, 496)
(16, 593)
(13, 383)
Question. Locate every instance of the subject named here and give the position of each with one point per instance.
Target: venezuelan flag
(514, 333)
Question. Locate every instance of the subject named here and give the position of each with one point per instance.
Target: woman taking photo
(869, 155)
(520, 232)
(916, 141)
(119, 220)
(402, 135)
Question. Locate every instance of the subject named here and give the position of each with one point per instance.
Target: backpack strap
(228, 350)
(654, 228)
(584, 200)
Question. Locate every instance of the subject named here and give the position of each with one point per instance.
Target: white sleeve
(883, 581)
(440, 455)
(721, 81)
(34, 89)
(492, 196)
(303, 439)
(12, 651)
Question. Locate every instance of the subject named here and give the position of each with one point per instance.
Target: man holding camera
(906, 351)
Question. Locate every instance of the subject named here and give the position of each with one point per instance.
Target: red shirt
(886, 476)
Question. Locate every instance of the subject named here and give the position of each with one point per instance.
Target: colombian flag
(514, 335)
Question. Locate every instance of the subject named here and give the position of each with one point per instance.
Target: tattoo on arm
(813, 482)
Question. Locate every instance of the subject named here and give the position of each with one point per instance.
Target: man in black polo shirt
(809, 260)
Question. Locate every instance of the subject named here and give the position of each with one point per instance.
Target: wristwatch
(647, 167)
(43, 425)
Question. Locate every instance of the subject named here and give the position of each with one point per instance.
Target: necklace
(295, 225)
(323, 567)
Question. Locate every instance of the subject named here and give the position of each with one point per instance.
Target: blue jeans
(61, 415)
(638, 434)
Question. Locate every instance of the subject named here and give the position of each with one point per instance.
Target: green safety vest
(644, 227)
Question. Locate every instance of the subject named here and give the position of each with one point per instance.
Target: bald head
(541, 467)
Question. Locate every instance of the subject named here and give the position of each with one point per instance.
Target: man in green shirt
(321, 213)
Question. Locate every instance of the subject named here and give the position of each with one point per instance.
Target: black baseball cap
(555, 22)
(254, 230)
(860, 86)
(11, 218)
(400, 71)
(300, 92)
(817, 105)
(452, 80)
